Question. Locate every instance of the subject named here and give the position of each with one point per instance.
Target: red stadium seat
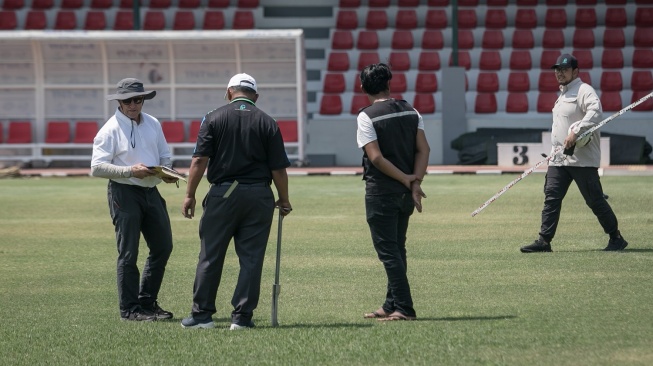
(334, 83)
(342, 40)
(545, 102)
(548, 58)
(611, 81)
(643, 37)
(248, 3)
(464, 60)
(347, 19)
(467, 18)
(553, 38)
(57, 132)
(399, 61)
(492, 39)
(643, 59)
(2, 138)
(610, 101)
(585, 2)
(644, 17)
(65, 20)
(188, 4)
(95, 20)
(614, 37)
(465, 39)
(101, 4)
(616, 17)
(436, 19)
(612, 58)
(424, 103)
(585, 77)
(36, 20)
(485, 103)
(496, 2)
(194, 130)
(428, 61)
(555, 18)
(154, 20)
(438, 3)
(288, 130)
(519, 82)
(358, 102)
(8, 20)
(219, 3)
(243, 19)
(556, 2)
(123, 21)
(378, 3)
(406, 19)
(426, 82)
(367, 40)
(13, 4)
(517, 103)
(496, 19)
(42, 4)
(468, 2)
(367, 58)
(616, 2)
(357, 85)
(85, 132)
(173, 131)
(72, 4)
(547, 82)
(520, 60)
(184, 20)
(432, 40)
(583, 38)
(398, 83)
(408, 3)
(585, 17)
(338, 61)
(349, 3)
(213, 20)
(126, 4)
(522, 38)
(20, 132)
(525, 18)
(526, 2)
(487, 82)
(641, 81)
(585, 59)
(644, 107)
(490, 60)
(402, 40)
(376, 19)
(159, 4)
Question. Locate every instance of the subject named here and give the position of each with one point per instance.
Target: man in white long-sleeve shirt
(576, 110)
(128, 143)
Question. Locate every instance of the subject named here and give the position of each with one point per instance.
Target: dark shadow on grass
(625, 251)
(337, 325)
(467, 318)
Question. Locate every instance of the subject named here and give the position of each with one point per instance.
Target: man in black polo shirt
(244, 151)
(395, 158)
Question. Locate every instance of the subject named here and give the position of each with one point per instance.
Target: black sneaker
(140, 316)
(538, 245)
(236, 326)
(191, 322)
(160, 313)
(616, 244)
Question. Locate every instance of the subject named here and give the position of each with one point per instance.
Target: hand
(570, 140)
(188, 207)
(170, 179)
(418, 194)
(408, 180)
(141, 171)
(284, 207)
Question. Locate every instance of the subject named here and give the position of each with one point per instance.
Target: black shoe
(538, 245)
(158, 312)
(140, 316)
(248, 325)
(616, 244)
(191, 322)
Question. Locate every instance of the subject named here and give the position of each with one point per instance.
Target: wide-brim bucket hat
(130, 87)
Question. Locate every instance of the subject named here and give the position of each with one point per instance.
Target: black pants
(558, 180)
(387, 216)
(134, 210)
(246, 216)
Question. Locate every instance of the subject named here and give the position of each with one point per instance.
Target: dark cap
(128, 88)
(566, 60)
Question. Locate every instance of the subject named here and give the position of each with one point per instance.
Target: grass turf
(479, 301)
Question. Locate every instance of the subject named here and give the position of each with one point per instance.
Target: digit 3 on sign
(580, 142)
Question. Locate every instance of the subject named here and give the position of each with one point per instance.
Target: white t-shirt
(366, 132)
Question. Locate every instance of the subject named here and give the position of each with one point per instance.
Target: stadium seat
(184, 20)
(72, 4)
(248, 4)
(464, 60)
(154, 21)
(85, 132)
(643, 58)
(556, 2)
(519, 82)
(338, 61)
(288, 130)
(376, 19)
(644, 17)
(614, 38)
(465, 39)
(367, 40)
(188, 4)
(399, 61)
(124, 20)
(159, 4)
(42, 4)
(342, 40)
(194, 130)
(492, 39)
(495, 19)
(585, 2)
(358, 102)
(213, 20)
(378, 3)
(2, 137)
(647, 106)
(585, 77)
(347, 19)
(13, 4)
(548, 58)
(218, 3)
(585, 17)
(610, 101)
(367, 58)
(485, 103)
(20, 132)
(496, 2)
(8, 20)
(426, 82)
(547, 82)
(467, 18)
(349, 3)
(432, 40)
(424, 103)
(641, 80)
(402, 40)
(243, 19)
(611, 81)
(398, 83)
(520, 60)
(643, 37)
(36, 20)
(57, 132)
(555, 18)
(334, 83)
(583, 38)
(517, 103)
(65, 20)
(95, 20)
(101, 4)
(490, 60)
(436, 19)
(357, 85)
(545, 102)
(616, 2)
(612, 58)
(522, 38)
(406, 19)
(585, 59)
(553, 38)
(126, 4)
(525, 18)
(526, 2)
(428, 61)
(487, 82)
(173, 131)
(407, 3)
(616, 17)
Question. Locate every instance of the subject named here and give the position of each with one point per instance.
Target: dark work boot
(538, 245)
(616, 244)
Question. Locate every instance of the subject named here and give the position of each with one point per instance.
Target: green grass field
(478, 299)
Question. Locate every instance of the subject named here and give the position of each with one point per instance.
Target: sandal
(397, 316)
(377, 314)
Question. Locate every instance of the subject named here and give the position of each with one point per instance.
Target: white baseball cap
(241, 80)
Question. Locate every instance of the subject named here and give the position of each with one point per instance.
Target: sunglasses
(136, 100)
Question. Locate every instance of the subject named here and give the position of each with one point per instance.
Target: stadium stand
(58, 132)
(20, 132)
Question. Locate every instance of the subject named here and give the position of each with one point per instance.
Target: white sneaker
(235, 326)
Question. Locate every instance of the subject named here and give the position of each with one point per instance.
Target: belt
(257, 184)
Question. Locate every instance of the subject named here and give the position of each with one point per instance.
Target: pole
(276, 287)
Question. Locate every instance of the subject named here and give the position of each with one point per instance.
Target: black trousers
(558, 180)
(387, 217)
(135, 210)
(246, 216)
